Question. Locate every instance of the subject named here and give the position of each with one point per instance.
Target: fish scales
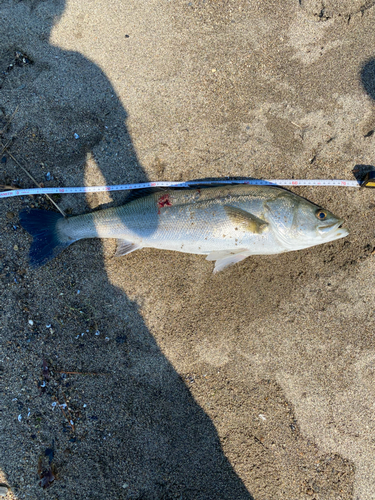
(189, 218)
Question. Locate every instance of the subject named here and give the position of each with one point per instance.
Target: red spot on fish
(164, 201)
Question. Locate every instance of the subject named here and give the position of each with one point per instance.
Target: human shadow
(141, 433)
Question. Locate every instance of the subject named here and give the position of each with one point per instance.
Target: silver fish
(226, 223)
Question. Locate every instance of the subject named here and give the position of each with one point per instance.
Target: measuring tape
(368, 181)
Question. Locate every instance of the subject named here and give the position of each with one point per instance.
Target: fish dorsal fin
(226, 258)
(124, 247)
(245, 220)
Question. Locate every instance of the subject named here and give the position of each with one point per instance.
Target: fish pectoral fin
(124, 247)
(228, 260)
(245, 220)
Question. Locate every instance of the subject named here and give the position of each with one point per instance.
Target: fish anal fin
(124, 247)
(227, 258)
(245, 220)
(228, 261)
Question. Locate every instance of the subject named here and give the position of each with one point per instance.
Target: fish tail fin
(47, 241)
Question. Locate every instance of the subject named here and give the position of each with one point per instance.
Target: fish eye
(321, 214)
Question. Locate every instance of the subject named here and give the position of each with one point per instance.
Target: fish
(226, 224)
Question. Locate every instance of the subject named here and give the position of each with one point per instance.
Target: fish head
(297, 223)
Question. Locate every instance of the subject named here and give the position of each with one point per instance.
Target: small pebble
(125, 485)
(10, 215)
(31, 322)
(3, 490)
(15, 247)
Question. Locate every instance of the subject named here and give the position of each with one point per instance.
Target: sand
(146, 376)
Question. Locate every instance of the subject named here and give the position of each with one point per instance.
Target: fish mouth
(333, 231)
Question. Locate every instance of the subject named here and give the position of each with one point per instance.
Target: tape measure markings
(127, 187)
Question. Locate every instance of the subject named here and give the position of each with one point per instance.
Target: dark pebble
(49, 453)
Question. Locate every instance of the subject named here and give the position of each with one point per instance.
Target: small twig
(5, 186)
(6, 146)
(31, 177)
(9, 121)
(303, 129)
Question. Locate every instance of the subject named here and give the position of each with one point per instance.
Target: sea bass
(226, 223)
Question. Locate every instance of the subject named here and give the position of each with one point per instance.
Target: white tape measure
(127, 187)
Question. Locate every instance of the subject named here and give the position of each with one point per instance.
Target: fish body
(226, 223)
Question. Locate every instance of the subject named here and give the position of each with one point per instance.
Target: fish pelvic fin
(226, 258)
(47, 242)
(124, 247)
(245, 220)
